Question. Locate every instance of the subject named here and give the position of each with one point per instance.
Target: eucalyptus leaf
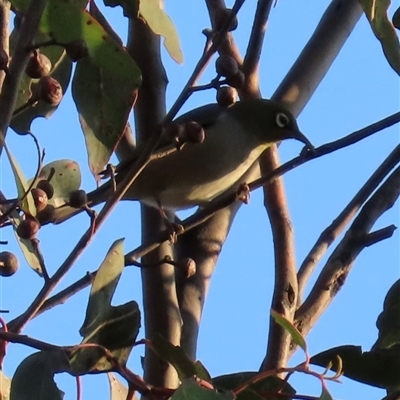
(33, 378)
(114, 328)
(377, 14)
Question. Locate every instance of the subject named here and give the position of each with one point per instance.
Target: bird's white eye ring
(282, 120)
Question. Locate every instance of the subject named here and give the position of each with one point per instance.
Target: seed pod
(187, 267)
(174, 131)
(220, 19)
(226, 66)
(47, 187)
(46, 215)
(78, 199)
(194, 132)
(40, 198)
(237, 80)
(39, 65)
(76, 49)
(226, 96)
(8, 263)
(49, 91)
(28, 228)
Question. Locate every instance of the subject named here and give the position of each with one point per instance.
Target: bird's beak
(302, 138)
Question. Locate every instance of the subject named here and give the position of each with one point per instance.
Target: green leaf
(115, 328)
(33, 379)
(118, 391)
(190, 389)
(161, 24)
(325, 395)
(102, 20)
(376, 12)
(177, 357)
(104, 105)
(380, 367)
(27, 205)
(65, 21)
(259, 388)
(291, 329)
(26, 245)
(66, 179)
(105, 283)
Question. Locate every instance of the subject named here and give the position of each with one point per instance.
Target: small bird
(235, 137)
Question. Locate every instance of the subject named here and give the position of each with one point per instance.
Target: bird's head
(269, 121)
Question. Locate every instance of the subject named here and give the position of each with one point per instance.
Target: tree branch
(204, 243)
(161, 311)
(4, 34)
(227, 44)
(295, 91)
(328, 236)
(251, 61)
(340, 262)
(313, 63)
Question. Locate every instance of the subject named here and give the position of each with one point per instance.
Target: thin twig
(31, 342)
(334, 230)
(62, 296)
(201, 65)
(254, 48)
(340, 262)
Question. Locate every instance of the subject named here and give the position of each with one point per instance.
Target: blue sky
(359, 89)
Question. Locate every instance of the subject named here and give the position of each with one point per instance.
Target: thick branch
(285, 288)
(251, 61)
(4, 34)
(161, 311)
(318, 55)
(204, 243)
(295, 91)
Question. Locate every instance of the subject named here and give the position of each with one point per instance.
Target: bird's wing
(205, 115)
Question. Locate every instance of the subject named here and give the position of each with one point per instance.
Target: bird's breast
(198, 173)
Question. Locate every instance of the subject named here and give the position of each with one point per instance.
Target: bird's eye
(282, 120)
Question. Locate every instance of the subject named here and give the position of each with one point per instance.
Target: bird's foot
(307, 152)
(174, 230)
(243, 193)
(93, 215)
